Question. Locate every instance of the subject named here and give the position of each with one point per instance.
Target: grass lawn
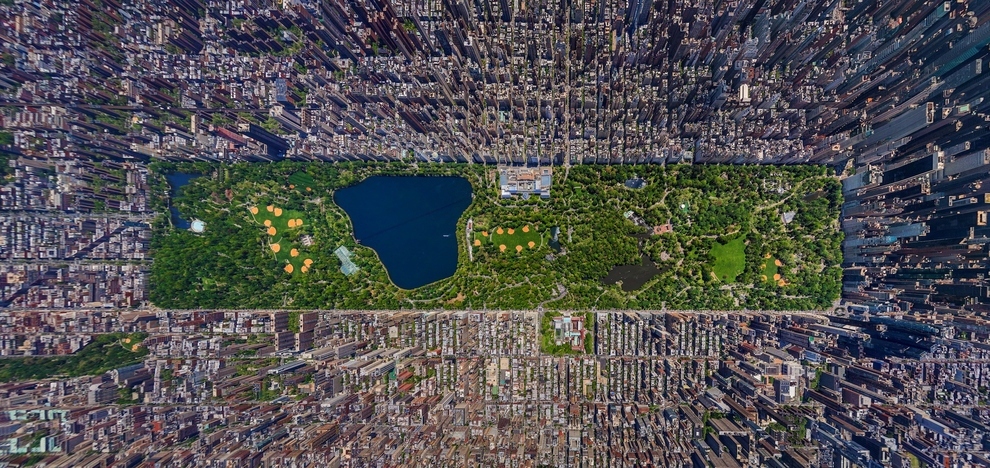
(514, 239)
(730, 259)
(302, 181)
(283, 227)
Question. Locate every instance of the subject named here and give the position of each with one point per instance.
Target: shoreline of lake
(410, 222)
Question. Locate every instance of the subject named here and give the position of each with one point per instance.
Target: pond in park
(176, 181)
(410, 222)
(632, 277)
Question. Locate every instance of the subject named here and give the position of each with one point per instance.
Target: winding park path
(794, 191)
(468, 229)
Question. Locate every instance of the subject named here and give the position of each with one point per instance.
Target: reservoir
(411, 222)
(176, 181)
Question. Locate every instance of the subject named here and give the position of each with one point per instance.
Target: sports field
(511, 239)
(770, 271)
(282, 227)
(730, 259)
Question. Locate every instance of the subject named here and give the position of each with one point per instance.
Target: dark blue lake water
(175, 182)
(411, 222)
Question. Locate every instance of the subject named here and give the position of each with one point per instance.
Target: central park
(681, 237)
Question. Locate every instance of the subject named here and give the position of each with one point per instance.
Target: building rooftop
(347, 266)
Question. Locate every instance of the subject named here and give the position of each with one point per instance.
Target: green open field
(521, 239)
(730, 259)
(302, 181)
